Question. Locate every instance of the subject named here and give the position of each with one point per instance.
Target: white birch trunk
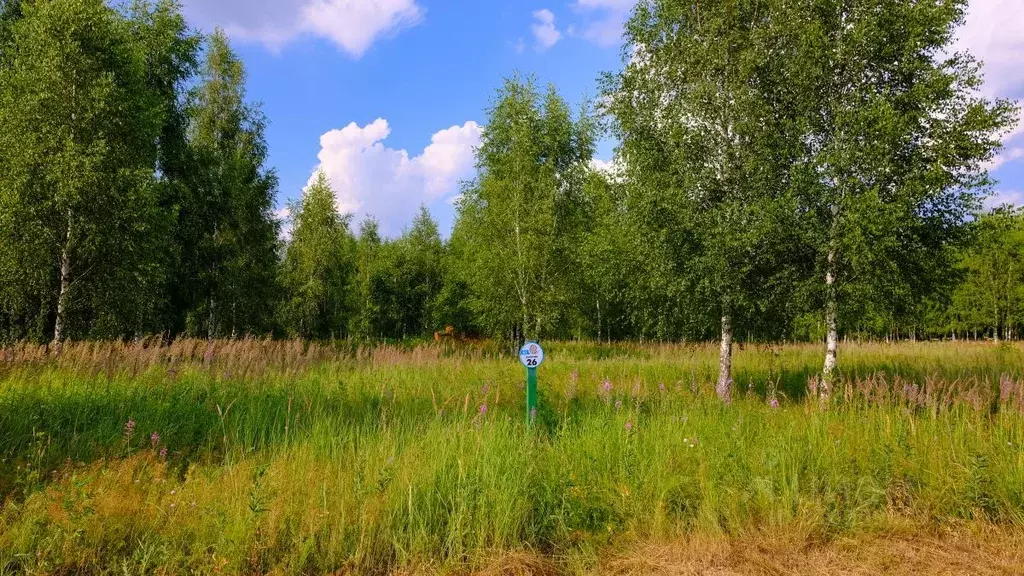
(65, 287)
(831, 328)
(724, 387)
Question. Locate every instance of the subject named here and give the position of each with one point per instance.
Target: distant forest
(785, 170)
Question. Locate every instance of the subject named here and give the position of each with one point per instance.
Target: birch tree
(78, 133)
(510, 221)
(704, 150)
(318, 266)
(236, 235)
(991, 295)
(893, 136)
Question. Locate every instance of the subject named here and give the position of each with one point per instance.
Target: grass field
(273, 457)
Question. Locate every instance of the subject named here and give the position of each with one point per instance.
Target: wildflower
(483, 391)
(154, 439)
(774, 403)
(533, 413)
(483, 409)
(570, 389)
(661, 387)
(163, 453)
(629, 426)
(129, 428)
(618, 404)
(607, 386)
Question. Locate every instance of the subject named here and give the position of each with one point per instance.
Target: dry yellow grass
(968, 550)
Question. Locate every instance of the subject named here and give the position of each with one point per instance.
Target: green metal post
(531, 395)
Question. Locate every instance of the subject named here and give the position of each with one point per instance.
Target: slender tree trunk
(724, 387)
(210, 330)
(65, 286)
(832, 334)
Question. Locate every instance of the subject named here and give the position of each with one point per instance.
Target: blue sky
(387, 96)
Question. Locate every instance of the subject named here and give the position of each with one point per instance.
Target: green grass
(381, 461)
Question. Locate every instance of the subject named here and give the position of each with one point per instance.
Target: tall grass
(278, 457)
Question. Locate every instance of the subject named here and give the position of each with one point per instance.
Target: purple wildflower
(483, 409)
(618, 404)
(163, 453)
(629, 426)
(607, 386)
(484, 390)
(154, 439)
(774, 403)
(129, 427)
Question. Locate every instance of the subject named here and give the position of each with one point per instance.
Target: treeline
(134, 196)
(786, 170)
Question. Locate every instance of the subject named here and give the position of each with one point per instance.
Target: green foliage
(235, 233)
(78, 197)
(992, 292)
(516, 221)
(318, 266)
(892, 135)
(765, 146)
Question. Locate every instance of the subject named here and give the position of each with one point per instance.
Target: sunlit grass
(377, 460)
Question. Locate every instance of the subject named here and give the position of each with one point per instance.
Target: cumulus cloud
(370, 178)
(994, 33)
(1005, 157)
(544, 30)
(613, 169)
(1000, 197)
(604, 19)
(352, 25)
(284, 218)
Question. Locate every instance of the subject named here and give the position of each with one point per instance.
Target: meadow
(260, 457)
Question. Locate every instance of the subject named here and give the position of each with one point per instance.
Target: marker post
(531, 355)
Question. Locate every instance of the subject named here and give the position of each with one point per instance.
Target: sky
(388, 96)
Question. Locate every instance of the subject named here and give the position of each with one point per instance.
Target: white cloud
(352, 25)
(604, 19)
(613, 169)
(1015, 197)
(284, 218)
(544, 30)
(371, 179)
(1017, 129)
(994, 33)
(1005, 157)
